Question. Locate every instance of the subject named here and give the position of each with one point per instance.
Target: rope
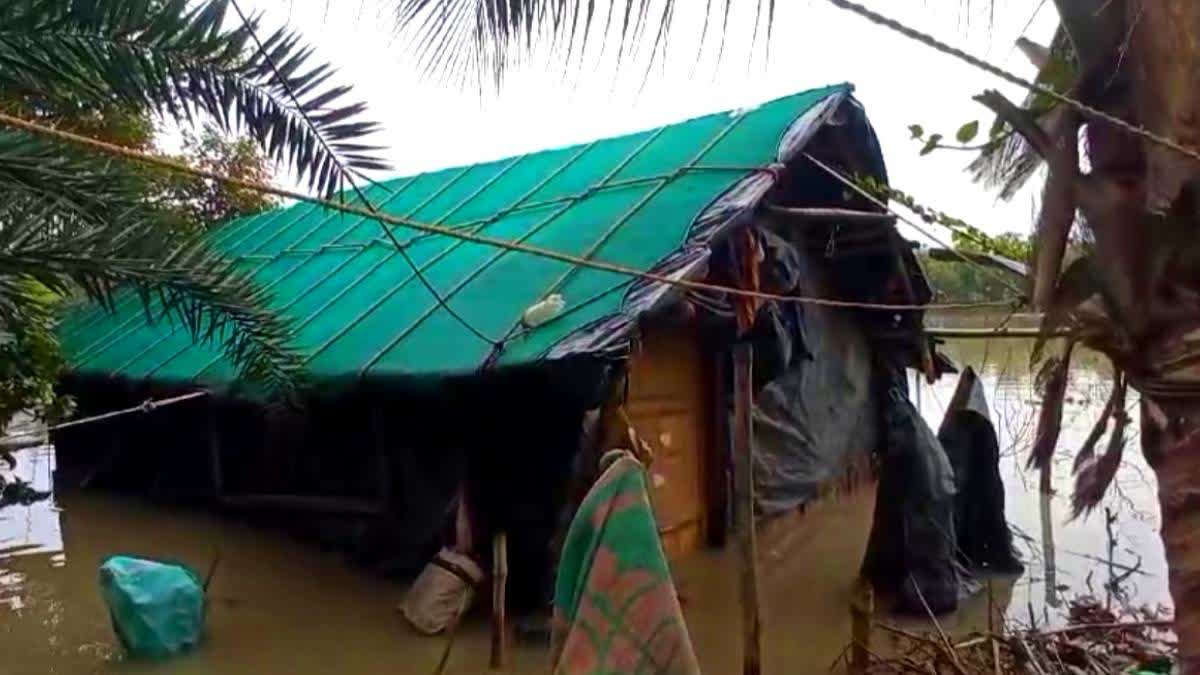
(147, 406)
(349, 176)
(934, 43)
(486, 240)
(908, 221)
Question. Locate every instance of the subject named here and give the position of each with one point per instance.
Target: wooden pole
(717, 461)
(214, 451)
(743, 437)
(499, 581)
(990, 333)
(862, 610)
(804, 216)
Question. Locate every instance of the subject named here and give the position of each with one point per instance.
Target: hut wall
(668, 405)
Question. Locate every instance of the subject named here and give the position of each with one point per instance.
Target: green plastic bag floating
(157, 608)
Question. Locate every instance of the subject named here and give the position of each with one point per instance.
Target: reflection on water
(280, 606)
(1067, 558)
(32, 529)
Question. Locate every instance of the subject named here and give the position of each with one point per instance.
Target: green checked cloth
(615, 606)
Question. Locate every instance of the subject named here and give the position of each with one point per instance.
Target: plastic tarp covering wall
(819, 415)
(912, 550)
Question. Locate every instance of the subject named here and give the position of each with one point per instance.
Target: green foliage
(967, 132)
(75, 224)
(182, 59)
(1008, 162)
(200, 203)
(964, 235)
(1010, 244)
(30, 360)
(955, 281)
(478, 40)
(99, 234)
(932, 143)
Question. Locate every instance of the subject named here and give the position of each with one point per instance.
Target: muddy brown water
(281, 606)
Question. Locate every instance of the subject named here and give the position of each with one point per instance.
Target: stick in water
(212, 570)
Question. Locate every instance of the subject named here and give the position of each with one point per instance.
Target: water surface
(283, 606)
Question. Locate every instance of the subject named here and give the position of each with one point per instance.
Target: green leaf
(967, 132)
(931, 144)
(73, 225)
(917, 131)
(475, 42)
(180, 58)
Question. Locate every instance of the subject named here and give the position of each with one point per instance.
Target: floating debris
(1096, 640)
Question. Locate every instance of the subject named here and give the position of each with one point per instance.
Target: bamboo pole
(743, 436)
(988, 333)
(804, 216)
(862, 610)
(499, 582)
(1049, 556)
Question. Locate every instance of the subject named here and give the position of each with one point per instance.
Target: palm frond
(43, 172)
(1096, 474)
(67, 245)
(180, 58)
(1008, 162)
(1052, 381)
(1087, 452)
(482, 39)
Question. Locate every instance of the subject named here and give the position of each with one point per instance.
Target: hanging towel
(615, 606)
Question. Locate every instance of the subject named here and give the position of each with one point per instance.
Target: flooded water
(1066, 558)
(283, 606)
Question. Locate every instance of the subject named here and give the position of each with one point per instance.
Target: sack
(442, 592)
(157, 608)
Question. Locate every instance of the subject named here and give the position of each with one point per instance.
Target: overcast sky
(430, 124)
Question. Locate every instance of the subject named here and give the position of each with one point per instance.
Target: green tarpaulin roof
(357, 307)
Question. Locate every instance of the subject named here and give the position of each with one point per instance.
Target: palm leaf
(1009, 161)
(1087, 452)
(481, 39)
(1096, 474)
(113, 239)
(89, 188)
(1052, 381)
(181, 59)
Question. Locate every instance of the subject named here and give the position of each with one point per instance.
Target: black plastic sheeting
(819, 414)
(970, 441)
(814, 410)
(912, 550)
(939, 514)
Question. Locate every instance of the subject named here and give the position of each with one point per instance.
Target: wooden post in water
(743, 448)
(214, 452)
(862, 610)
(499, 581)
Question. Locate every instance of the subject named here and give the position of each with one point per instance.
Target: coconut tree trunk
(1174, 454)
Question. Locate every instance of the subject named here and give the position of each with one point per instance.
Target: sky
(430, 123)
